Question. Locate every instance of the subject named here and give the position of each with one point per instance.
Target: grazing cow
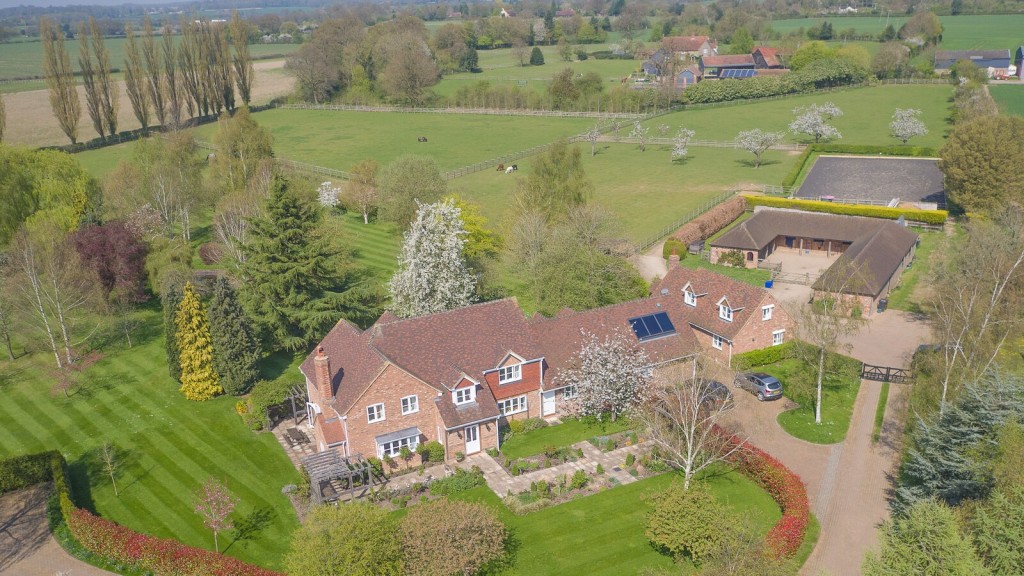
(501, 168)
(421, 139)
(510, 169)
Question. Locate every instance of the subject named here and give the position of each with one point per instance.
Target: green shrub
(687, 522)
(536, 57)
(936, 217)
(376, 466)
(732, 258)
(460, 456)
(630, 459)
(633, 438)
(676, 245)
(262, 396)
(764, 356)
(599, 469)
(516, 426)
(531, 424)
(492, 452)
(434, 451)
(579, 480)
(459, 482)
(23, 471)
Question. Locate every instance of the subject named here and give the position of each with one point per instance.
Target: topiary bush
(674, 246)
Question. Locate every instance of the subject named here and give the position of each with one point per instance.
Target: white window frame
(778, 337)
(511, 373)
(766, 312)
(717, 341)
(570, 392)
(725, 312)
(689, 298)
(513, 405)
(394, 448)
(410, 405)
(469, 392)
(375, 413)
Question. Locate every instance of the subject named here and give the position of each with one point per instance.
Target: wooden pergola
(351, 473)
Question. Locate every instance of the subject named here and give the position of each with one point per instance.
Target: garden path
(26, 546)
(503, 483)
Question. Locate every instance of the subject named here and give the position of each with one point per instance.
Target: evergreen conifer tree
(199, 380)
(235, 349)
(170, 297)
(293, 279)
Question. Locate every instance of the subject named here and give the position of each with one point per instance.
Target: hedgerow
(764, 356)
(936, 217)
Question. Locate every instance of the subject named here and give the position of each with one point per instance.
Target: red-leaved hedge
(161, 556)
(788, 491)
(709, 223)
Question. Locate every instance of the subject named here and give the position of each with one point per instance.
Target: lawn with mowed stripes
(376, 244)
(167, 447)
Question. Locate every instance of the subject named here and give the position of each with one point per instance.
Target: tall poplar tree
(105, 81)
(199, 381)
(60, 79)
(3, 118)
(156, 84)
(90, 80)
(135, 80)
(235, 349)
(242, 60)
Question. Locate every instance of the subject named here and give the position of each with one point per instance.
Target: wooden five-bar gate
(884, 373)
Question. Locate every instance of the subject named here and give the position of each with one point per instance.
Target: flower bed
(786, 489)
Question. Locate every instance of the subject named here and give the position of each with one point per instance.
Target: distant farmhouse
(996, 63)
(870, 254)
(669, 63)
(690, 47)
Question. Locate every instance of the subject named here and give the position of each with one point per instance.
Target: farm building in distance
(997, 63)
(868, 255)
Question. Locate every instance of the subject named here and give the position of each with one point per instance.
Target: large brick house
(457, 376)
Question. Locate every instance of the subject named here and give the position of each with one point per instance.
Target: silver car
(764, 386)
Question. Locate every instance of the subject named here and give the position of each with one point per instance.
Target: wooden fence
(678, 223)
(885, 374)
(459, 110)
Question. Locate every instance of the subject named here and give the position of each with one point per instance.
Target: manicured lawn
(752, 276)
(342, 139)
(603, 534)
(907, 295)
(565, 434)
(866, 114)
(376, 244)
(1009, 97)
(645, 191)
(989, 32)
(839, 391)
(170, 446)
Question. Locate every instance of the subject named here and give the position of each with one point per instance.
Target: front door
(549, 403)
(472, 439)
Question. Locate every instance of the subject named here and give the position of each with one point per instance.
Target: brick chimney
(322, 368)
(673, 260)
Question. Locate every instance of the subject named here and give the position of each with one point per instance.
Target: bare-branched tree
(60, 79)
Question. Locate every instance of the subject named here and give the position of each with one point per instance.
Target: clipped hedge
(936, 217)
(764, 356)
(709, 223)
(673, 245)
(862, 149)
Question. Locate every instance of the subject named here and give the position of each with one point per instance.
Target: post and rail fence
(679, 222)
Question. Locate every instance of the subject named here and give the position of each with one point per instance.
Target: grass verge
(905, 296)
(565, 434)
(839, 392)
(876, 432)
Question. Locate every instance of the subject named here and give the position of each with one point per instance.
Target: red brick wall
(389, 388)
(756, 333)
(455, 440)
(530, 382)
(708, 350)
(533, 407)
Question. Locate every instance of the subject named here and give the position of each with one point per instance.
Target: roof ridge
(444, 312)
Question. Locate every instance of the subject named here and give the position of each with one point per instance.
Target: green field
(990, 32)
(1009, 97)
(839, 392)
(603, 534)
(342, 139)
(24, 59)
(866, 114)
(170, 446)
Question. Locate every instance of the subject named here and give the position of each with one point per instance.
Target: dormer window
(512, 373)
(464, 395)
(725, 312)
(689, 297)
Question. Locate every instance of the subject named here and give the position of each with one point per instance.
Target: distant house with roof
(690, 47)
(713, 66)
(766, 58)
(876, 251)
(995, 62)
(458, 376)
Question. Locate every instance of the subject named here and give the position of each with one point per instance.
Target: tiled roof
(687, 43)
(769, 54)
(562, 335)
(710, 288)
(877, 247)
(354, 364)
(484, 408)
(729, 60)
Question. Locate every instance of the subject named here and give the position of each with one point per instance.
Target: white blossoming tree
(432, 274)
(611, 375)
(814, 121)
(681, 143)
(757, 141)
(327, 193)
(592, 136)
(906, 125)
(640, 133)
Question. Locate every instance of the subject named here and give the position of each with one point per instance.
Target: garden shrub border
(934, 217)
(764, 356)
(107, 543)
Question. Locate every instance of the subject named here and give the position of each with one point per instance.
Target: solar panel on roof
(737, 73)
(651, 326)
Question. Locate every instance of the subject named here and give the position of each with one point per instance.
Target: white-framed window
(465, 395)
(511, 373)
(512, 405)
(570, 392)
(689, 298)
(374, 413)
(394, 448)
(778, 336)
(410, 404)
(766, 312)
(725, 313)
(716, 341)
